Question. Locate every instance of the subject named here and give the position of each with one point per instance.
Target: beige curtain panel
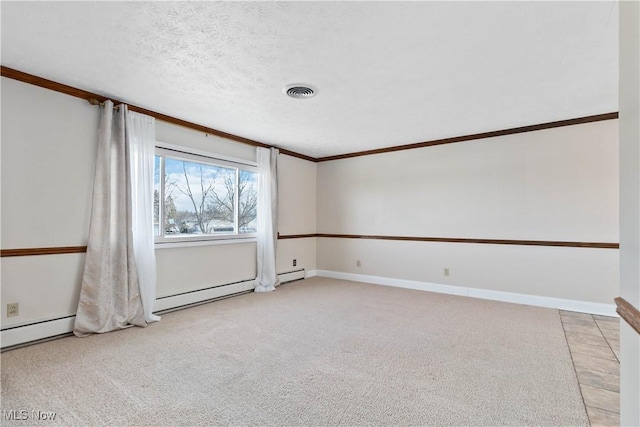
(110, 296)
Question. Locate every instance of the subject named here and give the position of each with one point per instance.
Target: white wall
(557, 184)
(297, 196)
(48, 157)
(187, 269)
(296, 213)
(629, 207)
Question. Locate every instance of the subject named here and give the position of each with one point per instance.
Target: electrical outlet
(295, 262)
(358, 263)
(13, 309)
(446, 272)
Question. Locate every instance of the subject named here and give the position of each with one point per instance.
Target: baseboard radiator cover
(202, 295)
(292, 276)
(535, 300)
(15, 336)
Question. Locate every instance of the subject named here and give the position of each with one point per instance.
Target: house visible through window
(201, 198)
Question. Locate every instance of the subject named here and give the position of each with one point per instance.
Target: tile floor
(594, 342)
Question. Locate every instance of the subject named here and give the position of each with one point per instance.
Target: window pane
(199, 198)
(247, 201)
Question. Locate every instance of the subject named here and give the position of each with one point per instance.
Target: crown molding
(97, 98)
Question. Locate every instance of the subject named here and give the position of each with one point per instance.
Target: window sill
(184, 244)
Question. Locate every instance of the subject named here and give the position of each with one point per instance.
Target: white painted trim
(27, 333)
(51, 328)
(535, 300)
(209, 154)
(290, 276)
(164, 244)
(203, 295)
(549, 302)
(23, 334)
(398, 283)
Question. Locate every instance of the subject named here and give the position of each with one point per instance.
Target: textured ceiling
(388, 73)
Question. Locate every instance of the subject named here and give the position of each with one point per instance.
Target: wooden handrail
(628, 312)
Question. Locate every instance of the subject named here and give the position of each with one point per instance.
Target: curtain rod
(94, 101)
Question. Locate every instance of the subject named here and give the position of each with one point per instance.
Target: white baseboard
(535, 300)
(291, 276)
(36, 331)
(180, 300)
(50, 328)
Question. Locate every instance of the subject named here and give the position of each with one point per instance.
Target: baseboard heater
(205, 295)
(15, 336)
(292, 276)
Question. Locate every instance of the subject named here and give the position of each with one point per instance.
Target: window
(203, 198)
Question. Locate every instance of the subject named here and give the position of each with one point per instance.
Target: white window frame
(193, 155)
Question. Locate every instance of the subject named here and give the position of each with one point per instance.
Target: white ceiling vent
(300, 90)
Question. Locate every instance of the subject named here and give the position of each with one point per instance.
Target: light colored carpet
(315, 352)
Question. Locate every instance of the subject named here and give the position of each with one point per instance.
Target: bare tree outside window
(223, 203)
(248, 201)
(198, 201)
(205, 199)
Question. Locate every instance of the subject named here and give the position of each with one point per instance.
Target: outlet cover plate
(13, 309)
